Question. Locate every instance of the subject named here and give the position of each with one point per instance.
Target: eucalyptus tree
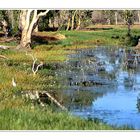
(116, 17)
(3, 22)
(86, 18)
(27, 23)
(79, 18)
(129, 19)
(110, 16)
(68, 22)
(71, 19)
(9, 21)
(97, 17)
(138, 16)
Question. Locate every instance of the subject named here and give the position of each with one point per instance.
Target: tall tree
(28, 22)
(73, 18)
(9, 21)
(116, 17)
(78, 19)
(129, 19)
(138, 16)
(3, 22)
(68, 23)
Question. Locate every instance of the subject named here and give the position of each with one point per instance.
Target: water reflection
(103, 83)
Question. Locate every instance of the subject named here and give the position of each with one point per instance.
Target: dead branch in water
(54, 100)
(35, 95)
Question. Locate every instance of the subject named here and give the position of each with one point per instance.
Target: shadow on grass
(99, 29)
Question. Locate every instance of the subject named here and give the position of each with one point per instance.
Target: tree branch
(42, 13)
(34, 70)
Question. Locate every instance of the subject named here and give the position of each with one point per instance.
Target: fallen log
(55, 101)
(35, 95)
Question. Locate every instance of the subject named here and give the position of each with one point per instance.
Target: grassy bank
(26, 118)
(113, 36)
(15, 111)
(37, 119)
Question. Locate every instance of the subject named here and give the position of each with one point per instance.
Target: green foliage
(43, 23)
(15, 28)
(12, 19)
(27, 118)
(129, 40)
(128, 16)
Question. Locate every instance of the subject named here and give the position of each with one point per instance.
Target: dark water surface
(99, 84)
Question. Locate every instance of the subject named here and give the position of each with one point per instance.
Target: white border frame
(70, 4)
(74, 4)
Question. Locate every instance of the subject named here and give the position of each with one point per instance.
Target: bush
(129, 40)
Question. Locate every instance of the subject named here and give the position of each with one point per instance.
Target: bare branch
(34, 70)
(33, 66)
(31, 56)
(42, 13)
(34, 95)
(36, 17)
(55, 101)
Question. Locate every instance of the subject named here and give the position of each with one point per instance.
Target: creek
(101, 83)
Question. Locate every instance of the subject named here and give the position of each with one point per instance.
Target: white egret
(13, 82)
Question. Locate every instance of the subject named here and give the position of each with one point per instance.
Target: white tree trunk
(79, 23)
(116, 17)
(139, 16)
(68, 24)
(36, 29)
(72, 20)
(4, 27)
(27, 25)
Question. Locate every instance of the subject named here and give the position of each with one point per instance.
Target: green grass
(37, 119)
(101, 37)
(15, 112)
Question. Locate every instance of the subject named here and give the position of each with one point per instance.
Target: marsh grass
(19, 114)
(48, 119)
(114, 37)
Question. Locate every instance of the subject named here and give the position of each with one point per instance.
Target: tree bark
(11, 18)
(36, 29)
(129, 29)
(72, 20)
(139, 16)
(27, 26)
(68, 25)
(116, 17)
(4, 27)
(79, 22)
(108, 21)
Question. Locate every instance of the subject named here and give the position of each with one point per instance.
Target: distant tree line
(24, 22)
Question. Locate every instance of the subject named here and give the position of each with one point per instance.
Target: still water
(100, 84)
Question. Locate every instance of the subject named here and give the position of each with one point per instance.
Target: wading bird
(13, 82)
